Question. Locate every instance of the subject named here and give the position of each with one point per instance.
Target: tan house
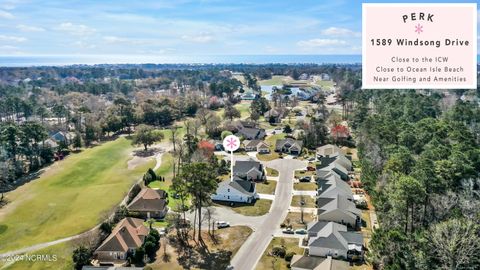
(149, 203)
(257, 145)
(128, 235)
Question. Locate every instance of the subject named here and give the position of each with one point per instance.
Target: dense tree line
(421, 165)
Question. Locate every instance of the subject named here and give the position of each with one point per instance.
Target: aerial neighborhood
(122, 169)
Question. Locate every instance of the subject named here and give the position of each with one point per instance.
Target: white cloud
(6, 15)
(12, 38)
(29, 28)
(10, 4)
(201, 38)
(319, 42)
(8, 48)
(84, 45)
(337, 31)
(75, 29)
(122, 40)
(113, 39)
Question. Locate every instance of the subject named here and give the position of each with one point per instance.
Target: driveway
(311, 193)
(227, 214)
(252, 250)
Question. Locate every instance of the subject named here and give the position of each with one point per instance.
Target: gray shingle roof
(331, 241)
(332, 235)
(308, 262)
(244, 186)
(244, 166)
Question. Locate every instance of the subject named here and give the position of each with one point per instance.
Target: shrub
(106, 227)
(289, 256)
(81, 256)
(279, 252)
(138, 255)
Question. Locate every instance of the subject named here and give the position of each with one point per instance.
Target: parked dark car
(304, 179)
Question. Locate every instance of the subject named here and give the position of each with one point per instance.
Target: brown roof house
(256, 145)
(149, 203)
(128, 235)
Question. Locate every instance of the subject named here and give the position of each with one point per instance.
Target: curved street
(252, 250)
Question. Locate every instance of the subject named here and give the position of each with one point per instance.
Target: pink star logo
(418, 28)
(231, 143)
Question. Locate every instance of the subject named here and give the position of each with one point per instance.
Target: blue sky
(180, 27)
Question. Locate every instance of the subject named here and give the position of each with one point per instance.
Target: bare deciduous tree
(455, 242)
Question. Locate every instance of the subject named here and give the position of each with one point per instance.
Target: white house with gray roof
(332, 185)
(333, 239)
(339, 209)
(238, 190)
(323, 170)
(249, 170)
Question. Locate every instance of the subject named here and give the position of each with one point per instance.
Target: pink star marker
(418, 28)
(231, 142)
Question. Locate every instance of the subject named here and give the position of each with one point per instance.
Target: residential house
(289, 146)
(332, 186)
(338, 208)
(339, 159)
(256, 145)
(275, 115)
(328, 150)
(249, 170)
(248, 124)
(50, 143)
(238, 190)
(303, 76)
(251, 133)
(64, 137)
(334, 240)
(325, 77)
(127, 235)
(323, 170)
(300, 262)
(149, 203)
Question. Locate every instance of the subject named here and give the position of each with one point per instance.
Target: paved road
(251, 251)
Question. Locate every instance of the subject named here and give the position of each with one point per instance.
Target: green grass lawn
(324, 84)
(267, 187)
(259, 208)
(269, 262)
(275, 80)
(166, 170)
(71, 197)
(309, 201)
(273, 138)
(267, 157)
(63, 253)
(305, 186)
(244, 108)
(271, 172)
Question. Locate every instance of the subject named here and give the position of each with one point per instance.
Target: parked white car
(222, 224)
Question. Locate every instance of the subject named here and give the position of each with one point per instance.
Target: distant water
(21, 61)
(25, 61)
